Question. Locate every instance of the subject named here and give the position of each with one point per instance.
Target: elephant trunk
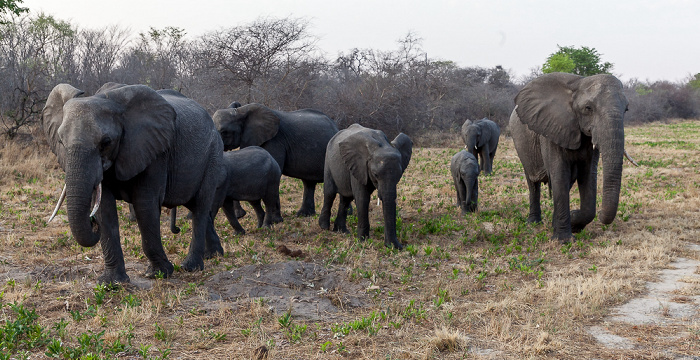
(389, 209)
(469, 181)
(612, 147)
(81, 181)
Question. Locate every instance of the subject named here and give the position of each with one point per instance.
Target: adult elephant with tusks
(296, 140)
(148, 148)
(561, 125)
(358, 161)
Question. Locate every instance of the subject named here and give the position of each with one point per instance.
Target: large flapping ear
(355, 151)
(404, 145)
(545, 106)
(260, 125)
(149, 127)
(52, 117)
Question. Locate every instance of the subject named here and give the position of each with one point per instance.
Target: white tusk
(594, 146)
(98, 199)
(630, 159)
(60, 202)
(378, 201)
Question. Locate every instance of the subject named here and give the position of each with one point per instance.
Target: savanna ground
(486, 285)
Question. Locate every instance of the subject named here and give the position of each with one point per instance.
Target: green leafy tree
(695, 81)
(583, 61)
(11, 6)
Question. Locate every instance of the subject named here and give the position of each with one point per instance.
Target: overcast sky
(644, 39)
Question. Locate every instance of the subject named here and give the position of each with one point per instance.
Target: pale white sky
(644, 39)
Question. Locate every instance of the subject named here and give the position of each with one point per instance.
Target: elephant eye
(105, 142)
(589, 108)
(627, 108)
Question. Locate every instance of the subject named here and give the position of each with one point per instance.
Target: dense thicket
(276, 62)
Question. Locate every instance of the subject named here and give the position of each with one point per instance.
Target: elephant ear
(355, 152)
(260, 125)
(404, 145)
(149, 127)
(235, 104)
(52, 117)
(545, 106)
(109, 86)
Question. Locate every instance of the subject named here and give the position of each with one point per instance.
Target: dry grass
(486, 285)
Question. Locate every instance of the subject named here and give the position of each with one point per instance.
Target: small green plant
(326, 345)
(285, 320)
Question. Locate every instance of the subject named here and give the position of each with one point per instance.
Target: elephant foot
(277, 219)
(324, 221)
(577, 228)
(306, 212)
(534, 219)
(563, 238)
(113, 277)
(340, 229)
(396, 244)
(162, 270)
(579, 220)
(192, 263)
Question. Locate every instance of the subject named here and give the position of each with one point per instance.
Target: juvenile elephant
(465, 173)
(561, 125)
(358, 161)
(296, 140)
(481, 139)
(148, 148)
(252, 175)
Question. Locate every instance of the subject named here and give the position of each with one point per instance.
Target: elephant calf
(481, 139)
(252, 175)
(465, 173)
(358, 161)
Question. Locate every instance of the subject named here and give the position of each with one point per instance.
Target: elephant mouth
(96, 200)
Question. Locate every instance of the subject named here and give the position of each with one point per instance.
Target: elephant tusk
(58, 205)
(98, 199)
(630, 159)
(594, 146)
(378, 201)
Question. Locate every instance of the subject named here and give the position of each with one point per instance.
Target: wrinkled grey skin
(358, 161)
(561, 125)
(465, 173)
(481, 139)
(148, 148)
(252, 175)
(296, 140)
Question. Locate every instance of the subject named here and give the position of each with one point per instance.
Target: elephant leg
(240, 212)
(587, 182)
(230, 212)
(362, 199)
(486, 162)
(460, 189)
(259, 213)
(307, 203)
(148, 219)
(535, 215)
(340, 224)
(473, 204)
(329, 193)
(115, 271)
(560, 179)
(132, 213)
(492, 155)
(272, 209)
(212, 247)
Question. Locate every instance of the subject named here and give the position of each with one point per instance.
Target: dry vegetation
(487, 285)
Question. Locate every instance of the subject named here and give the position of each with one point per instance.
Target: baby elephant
(481, 139)
(465, 172)
(252, 175)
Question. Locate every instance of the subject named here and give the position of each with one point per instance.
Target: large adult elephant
(296, 140)
(358, 161)
(148, 148)
(561, 125)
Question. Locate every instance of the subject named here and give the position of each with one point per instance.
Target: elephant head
(564, 107)
(247, 125)
(373, 159)
(472, 136)
(122, 128)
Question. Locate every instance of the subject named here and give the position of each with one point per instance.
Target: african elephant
(358, 161)
(561, 125)
(252, 175)
(148, 148)
(465, 173)
(481, 139)
(296, 140)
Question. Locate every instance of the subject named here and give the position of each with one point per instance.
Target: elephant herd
(157, 149)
